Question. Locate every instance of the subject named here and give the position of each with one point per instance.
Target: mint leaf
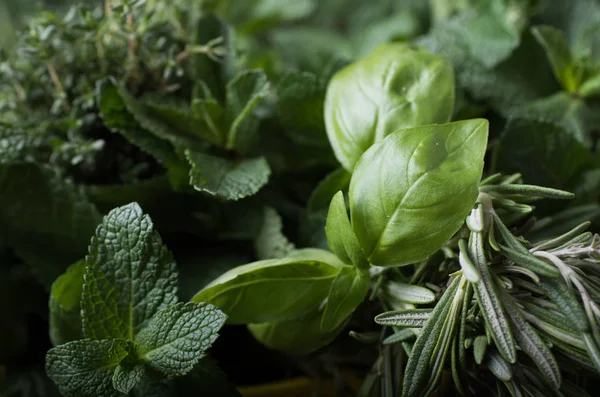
(176, 337)
(244, 93)
(85, 367)
(19, 143)
(46, 220)
(271, 243)
(126, 378)
(65, 305)
(130, 276)
(227, 179)
(117, 117)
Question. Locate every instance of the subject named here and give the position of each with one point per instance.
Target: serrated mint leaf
(117, 117)
(65, 305)
(271, 243)
(227, 179)
(244, 93)
(126, 378)
(19, 143)
(85, 367)
(177, 337)
(130, 276)
(47, 221)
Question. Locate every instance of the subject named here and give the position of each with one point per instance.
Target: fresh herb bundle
(422, 176)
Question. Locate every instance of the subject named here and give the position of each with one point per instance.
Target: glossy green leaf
(404, 219)
(299, 336)
(395, 86)
(227, 179)
(177, 337)
(559, 54)
(414, 318)
(340, 236)
(130, 276)
(65, 305)
(348, 290)
(273, 290)
(85, 367)
(244, 93)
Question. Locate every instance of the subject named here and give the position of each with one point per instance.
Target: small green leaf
(410, 293)
(130, 276)
(399, 220)
(85, 367)
(348, 290)
(395, 86)
(271, 243)
(273, 290)
(413, 318)
(65, 305)
(117, 118)
(479, 347)
(559, 54)
(176, 338)
(244, 93)
(341, 237)
(499, 367)
(530, 262)
(489, 302)
(227, 179)
(125, 378)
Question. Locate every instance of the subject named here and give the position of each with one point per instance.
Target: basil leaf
(559, 54)
(347, 291)
(227, 179)
(176, 338)
(130, 276)
(340, 236)
(403, 219)
(65, 305)
(321, 197)
(395, 86)
(299, 336)
(273, 290)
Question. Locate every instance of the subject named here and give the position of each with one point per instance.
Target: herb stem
(57, 84)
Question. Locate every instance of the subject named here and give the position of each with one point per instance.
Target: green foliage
(130, 325)
(328, 173)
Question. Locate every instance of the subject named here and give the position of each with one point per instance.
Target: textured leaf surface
(46, 220)
(85, 367)
(225, 178)
(177, 337)
(275, 289)
(65, 305)
(130, 276)
(412, 191)
(413, 318)
(124, 379)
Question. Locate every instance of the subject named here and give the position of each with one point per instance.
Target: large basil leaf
(396, 86)
(273, 290)
(412, 191)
